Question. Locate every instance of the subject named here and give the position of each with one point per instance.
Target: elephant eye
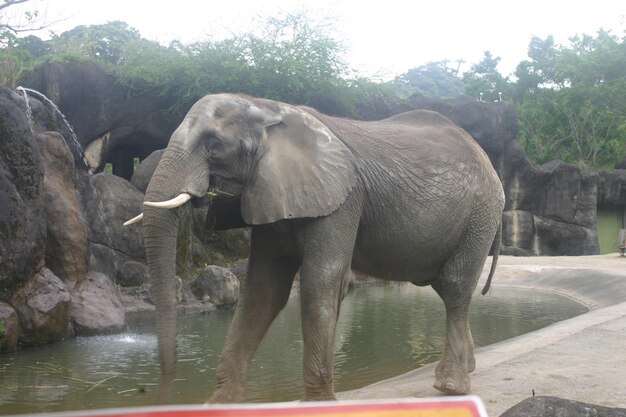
(213, 145)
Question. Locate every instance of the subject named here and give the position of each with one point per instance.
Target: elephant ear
(304, 170)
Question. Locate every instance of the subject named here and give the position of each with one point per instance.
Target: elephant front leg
(319, 321)
(265, 293)
(327, 258)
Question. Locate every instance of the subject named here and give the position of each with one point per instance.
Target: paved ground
(582, 359)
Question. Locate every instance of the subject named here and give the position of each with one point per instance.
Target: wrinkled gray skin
(410, 198)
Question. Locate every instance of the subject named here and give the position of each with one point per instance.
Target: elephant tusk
(134, 220)
(173, 203)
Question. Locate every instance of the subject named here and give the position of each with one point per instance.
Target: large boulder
(43, 307)
(97, 104)
(142, 175)
(612, 187)
(22, 226)
(546, 406)
(132, 274)
(97, 306)
(550, 209)
(67, 234)
(112, 201)
(217, 285)
(9, 328)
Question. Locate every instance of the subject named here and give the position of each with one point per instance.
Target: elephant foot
(223, 396)
(451, 387)
(452, 382)
(471, 363)
(331, 397)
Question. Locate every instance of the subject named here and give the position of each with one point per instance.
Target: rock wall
(134, 120)
(63, 248)
(44, 233)
(22, 226)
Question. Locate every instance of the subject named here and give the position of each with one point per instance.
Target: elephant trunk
(184, 174)
(160, 230)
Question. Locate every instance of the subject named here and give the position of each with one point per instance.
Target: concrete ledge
(579, 359)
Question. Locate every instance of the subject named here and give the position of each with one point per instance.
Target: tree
(15, 59)
(483, 80)
(105, 43)
(539, 71)
(435, 79)
(10, 25)
(572, 100)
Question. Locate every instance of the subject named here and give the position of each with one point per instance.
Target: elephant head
(279, 160)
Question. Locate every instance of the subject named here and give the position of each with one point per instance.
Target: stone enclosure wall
(68, 267)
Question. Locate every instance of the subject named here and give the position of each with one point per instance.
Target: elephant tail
(496, 251)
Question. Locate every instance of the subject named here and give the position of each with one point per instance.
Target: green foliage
(572, 100)
(292, 59)
(484, 80)
(14, 61)
(435, 79)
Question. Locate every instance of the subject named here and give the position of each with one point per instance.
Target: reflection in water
(383, 331)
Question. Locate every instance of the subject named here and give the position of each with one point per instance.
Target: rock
(106, 260)
(544, 406)
(142, 175)
(612, 187)
(9, 328)
(66, 241)
(117, 201)
(621, 164)
(556, 238)
(112, 201)
(97, 104)
(95, 152)
(550, 209)
(240, 269)
(43, 307)
(22, 225)
(97, 306)
(132, 274)
(520, 227)
(217, 285)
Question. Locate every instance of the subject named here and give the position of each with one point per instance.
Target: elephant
(410, 198)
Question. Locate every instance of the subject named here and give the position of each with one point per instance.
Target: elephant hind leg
(455, 286)
(451, 375)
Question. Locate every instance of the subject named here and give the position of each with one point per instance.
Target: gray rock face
(217, 285)
(541, 406)
(22, 226)
(113, 201)
(97, 306)
(550, 209)
(9, 330)
(66, 241)
(43, 307)
(95, 103)
(132, 274)
(612, 186)
(142, 175)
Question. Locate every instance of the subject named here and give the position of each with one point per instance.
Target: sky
(384, 38)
